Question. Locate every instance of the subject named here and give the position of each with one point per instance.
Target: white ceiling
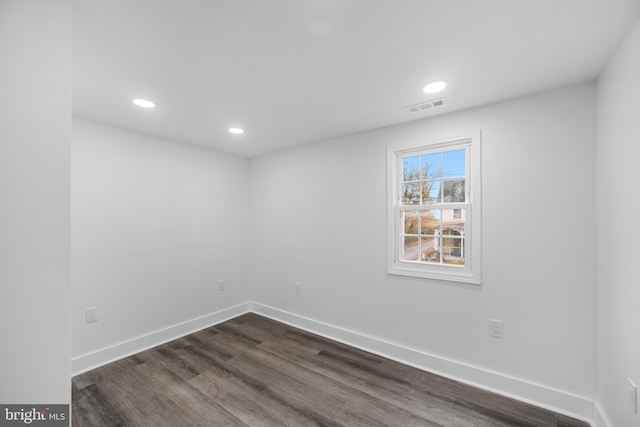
(292, 72)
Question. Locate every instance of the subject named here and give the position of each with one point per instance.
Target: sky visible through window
(453, 164)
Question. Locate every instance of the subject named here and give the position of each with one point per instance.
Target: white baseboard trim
(599, 417)
(536, 394)
(94, 359)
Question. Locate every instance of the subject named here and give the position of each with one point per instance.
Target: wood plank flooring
(253, 371)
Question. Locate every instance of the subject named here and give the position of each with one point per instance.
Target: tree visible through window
(431, 205)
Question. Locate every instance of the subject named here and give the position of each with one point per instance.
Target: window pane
(454, 164)
(428, 251)
(430, 192)
(430, 222)
(453, 219)
(410, 248)
(410, 222)
(453, 250)
(453, 191)
(431, 166)
(411, 194)
(410, 168)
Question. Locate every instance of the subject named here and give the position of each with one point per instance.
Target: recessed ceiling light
(144, 103)
(434, 87)
(236, 131)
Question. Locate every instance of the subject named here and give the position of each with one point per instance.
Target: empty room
(320, 212)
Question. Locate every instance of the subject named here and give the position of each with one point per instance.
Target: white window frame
(471, 272)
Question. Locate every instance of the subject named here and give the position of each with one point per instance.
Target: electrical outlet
(495, 328)
(222, 284)
(91, 314)
(632, 395)
(297, 287)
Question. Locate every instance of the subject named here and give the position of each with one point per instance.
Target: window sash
(439, 149)
(400, 233)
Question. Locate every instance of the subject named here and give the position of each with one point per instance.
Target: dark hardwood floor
(252, 371)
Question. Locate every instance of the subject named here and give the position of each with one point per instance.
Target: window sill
(436, 272)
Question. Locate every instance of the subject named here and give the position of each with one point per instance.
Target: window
(434, 210)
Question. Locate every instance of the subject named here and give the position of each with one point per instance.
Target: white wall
(318, 217)
(156, 224)
(618, 232)
(35, 128)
